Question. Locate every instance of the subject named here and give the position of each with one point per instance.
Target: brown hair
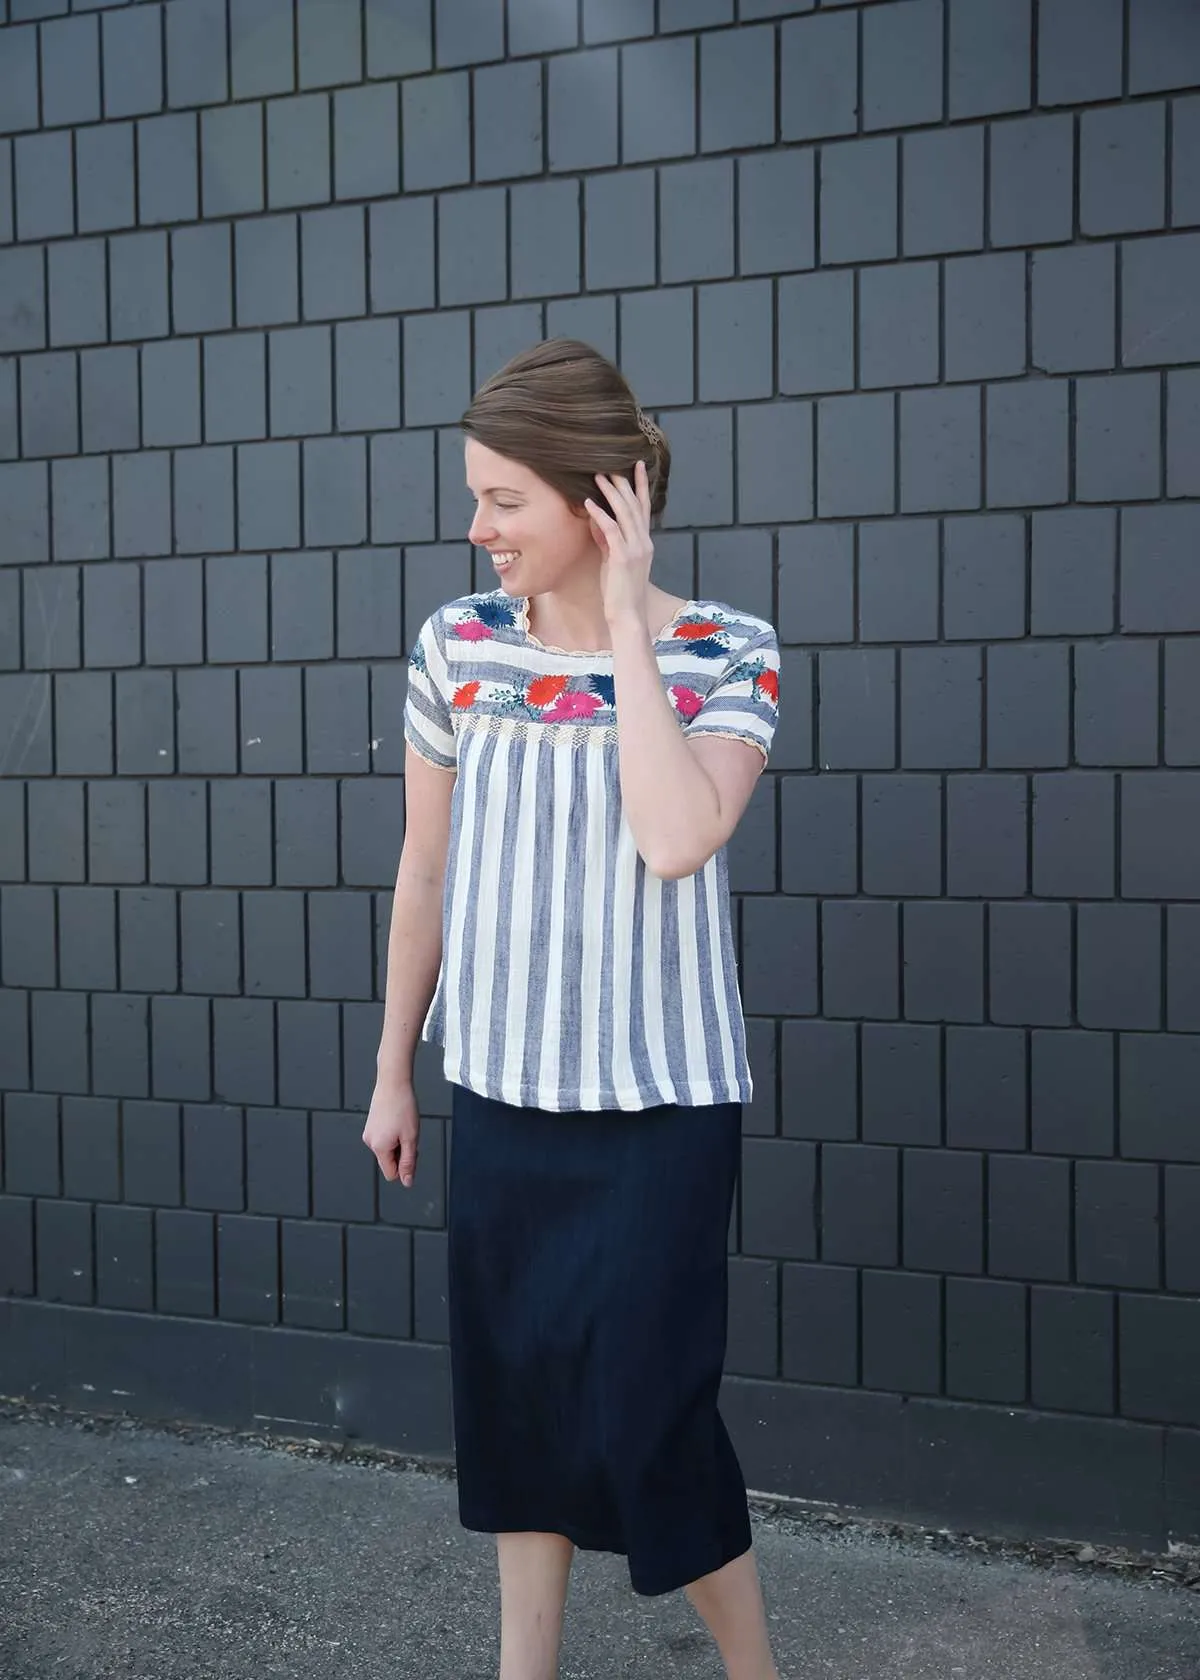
(566, 412)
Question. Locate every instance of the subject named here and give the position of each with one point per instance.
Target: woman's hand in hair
(623, 537)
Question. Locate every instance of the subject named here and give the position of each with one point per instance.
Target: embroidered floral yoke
(571, 977)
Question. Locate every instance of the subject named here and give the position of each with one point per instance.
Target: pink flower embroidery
(473, 630)
(572, 705)
(687, 701)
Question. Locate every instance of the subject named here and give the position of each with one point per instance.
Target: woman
(580, 747)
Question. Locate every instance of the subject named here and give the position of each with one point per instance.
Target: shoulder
(737, 631)
(476, 617)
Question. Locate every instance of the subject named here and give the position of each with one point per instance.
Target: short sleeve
(743, 704)
(427, 726)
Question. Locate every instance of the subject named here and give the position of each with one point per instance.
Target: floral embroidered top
(571, 977)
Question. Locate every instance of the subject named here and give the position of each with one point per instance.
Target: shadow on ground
(131, 1552)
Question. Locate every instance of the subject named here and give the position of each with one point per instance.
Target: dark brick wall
(913, 286)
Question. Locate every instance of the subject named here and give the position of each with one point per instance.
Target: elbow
(670, 865)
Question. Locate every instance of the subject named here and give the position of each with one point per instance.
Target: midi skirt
(588, 1291)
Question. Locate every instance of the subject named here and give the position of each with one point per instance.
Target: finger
(643, 488)
(639, 515)
(605, 521)
(620, 506)
(408, 1163)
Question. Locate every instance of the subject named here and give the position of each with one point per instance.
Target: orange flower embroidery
(543, 690)
(693, 630)
(768, 681)
(465, 696)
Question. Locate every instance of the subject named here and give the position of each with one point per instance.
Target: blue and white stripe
(572, 978)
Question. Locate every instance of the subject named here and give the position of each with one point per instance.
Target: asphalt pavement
(177, 1554)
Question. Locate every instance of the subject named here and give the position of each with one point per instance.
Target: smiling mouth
(503, 561)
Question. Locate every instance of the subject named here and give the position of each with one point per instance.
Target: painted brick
(23, 305)
(1159, 590)
(206, 722)
(544, 222)
(819, 77)
(989, 61)
(1117, 1224)
(133, 60)
(268, 478)
(855, 455)
(1067, 76)
(1164, 48)
(168, 176)
(267, 265)
(172, 608)
(1074, 308)
(943, 191)
(816, 333)
(857, 709)
(141, 505)
(582, 111)
(240, 813)
(366, 142)
(859, 1201)
(984, 300)
(262, 47)
(941, 708)
(901, 1332)
(1157, 276)
(737, 88)
(436, 136)
(820, 1310)
(861, 961)
(985, 1088)
(236, 609)
(1027, 706)
(507, 114)
(696, 231)
(820, 1058)
(771, 928)
(1181, 1203)
(816, 584)
(49, 405)
(1073, 834)
(902, 65)
(943, 962)
(859, 197)
(1156, 810)
(777, 211)
(333, 276)
(1029, 1217)
(617, 20)
(1118, 437)
(19, 81)
(1071, 1349)
(901, 1075)
(1156, 1070)
(939, 449)
(986, 1340)
(43, 185)
(770, 436)
(1181, 730)
(898, 325)
(901, 835)
(1032, 181)
(778, 1195)
(943, 1211)
(171, 392)
(1183, 433)
(201, 279)
(104, 179)
(534, 27)
(984, 578)
(399, 37)
(1028, 428)
(232, 170)
(1116, 703)
(235, 387)
(659, 88)
(197, 49)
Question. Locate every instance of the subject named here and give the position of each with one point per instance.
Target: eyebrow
(496, 490)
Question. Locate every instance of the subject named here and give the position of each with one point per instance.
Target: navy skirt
(588, 1310)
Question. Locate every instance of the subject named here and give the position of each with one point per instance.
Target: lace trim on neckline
(592, 653)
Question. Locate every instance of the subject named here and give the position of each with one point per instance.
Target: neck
(581, 627)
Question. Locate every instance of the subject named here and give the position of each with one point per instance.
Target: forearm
(413, 959)
(670, 802)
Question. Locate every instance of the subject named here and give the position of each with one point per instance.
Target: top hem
(628, 1100)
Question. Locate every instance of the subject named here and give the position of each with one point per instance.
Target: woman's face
(533, 536)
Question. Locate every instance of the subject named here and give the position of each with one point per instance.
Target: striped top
(571, 977)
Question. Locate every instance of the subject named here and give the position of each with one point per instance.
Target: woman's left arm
(682, 799)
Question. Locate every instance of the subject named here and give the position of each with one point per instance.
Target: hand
(623, 537)
(392, 1130)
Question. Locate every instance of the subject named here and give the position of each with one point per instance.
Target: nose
(481, 532)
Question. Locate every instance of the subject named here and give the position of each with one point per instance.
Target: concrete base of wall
(984, 1469)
